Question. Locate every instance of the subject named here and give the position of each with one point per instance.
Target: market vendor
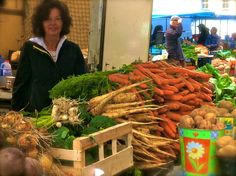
(204, 32)
(213, 40)
(173, 45)
(47, 58)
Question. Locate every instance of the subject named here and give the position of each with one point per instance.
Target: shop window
(205, 4)
(225, 4)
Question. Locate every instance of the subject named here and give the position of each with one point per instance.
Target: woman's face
(53, 25)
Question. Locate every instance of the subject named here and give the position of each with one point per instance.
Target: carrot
(172, 105)
(175, 97)
(157, 79)
(158, 98)
(158, 91)
(173, 116)
(134, 77)
(209, 85)
(162, 110)
(149, 65)
(184, 92)
(174, 81)
(206, 90)
(191, 73)
(117, 79)
(195, 82)
(121, 75)
(171, 124)
(156, 70)
(185, 112)
(189, 85)
(188, 97)
(159, 129)
(139, 73)
(168, 92)
(168, 87)
(143, 86)
(167, 129)
(180, 85)
(165, 64)
(204, 96)
(176, 146)
(185, 107)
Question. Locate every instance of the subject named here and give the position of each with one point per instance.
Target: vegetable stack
(177, 89)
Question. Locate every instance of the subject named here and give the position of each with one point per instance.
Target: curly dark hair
(42, 12)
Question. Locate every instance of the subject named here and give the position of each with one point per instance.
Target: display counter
(5, 100)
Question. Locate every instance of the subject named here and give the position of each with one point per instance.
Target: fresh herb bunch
(84, 86)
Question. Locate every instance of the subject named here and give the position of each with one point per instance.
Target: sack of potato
(226, 153)
(206, 117)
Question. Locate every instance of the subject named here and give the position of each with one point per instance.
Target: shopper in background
(204, 32)
(158, 36)
(173, 45)
(213, 40)
(232, 41)
(47, 58)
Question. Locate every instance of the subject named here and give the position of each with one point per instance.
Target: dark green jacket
(37, 73)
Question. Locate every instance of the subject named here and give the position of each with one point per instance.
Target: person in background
(47, 58)
(204, 32)
(173, 45)
(232, 41)
(158, 36)
(213, 40)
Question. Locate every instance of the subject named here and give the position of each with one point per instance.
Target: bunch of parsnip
(124, 105)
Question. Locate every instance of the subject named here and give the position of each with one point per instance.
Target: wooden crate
(120, 159)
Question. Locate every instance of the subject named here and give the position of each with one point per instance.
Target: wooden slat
(101, 152)
(114, 146)
(65, 154)
(83, 143)
(112, 164)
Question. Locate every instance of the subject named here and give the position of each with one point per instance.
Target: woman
(173, 45)
(213, 40)
(47, 58)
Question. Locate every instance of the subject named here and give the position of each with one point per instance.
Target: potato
(32, 167)
(234, 113)
(220, 125)
(205, 124)
(223, 141)
(226, 104)
(198, 111)
(222, 111)
(211, 117)
(12, 162)
(197, 119)
(187, 121)
(227, 151)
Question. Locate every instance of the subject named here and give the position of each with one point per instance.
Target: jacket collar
(40, 41)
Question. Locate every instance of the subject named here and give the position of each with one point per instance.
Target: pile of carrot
(177, 91)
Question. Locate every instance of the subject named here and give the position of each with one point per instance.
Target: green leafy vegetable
(102, 122)
(225, 89)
